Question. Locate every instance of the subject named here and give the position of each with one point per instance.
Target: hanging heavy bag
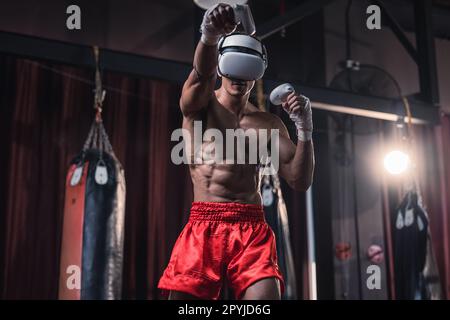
(416, 274)
(277, 218)
(93, 227)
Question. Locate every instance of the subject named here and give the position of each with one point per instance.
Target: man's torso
(215, 181)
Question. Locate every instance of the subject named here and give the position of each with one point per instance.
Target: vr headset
(241, 57)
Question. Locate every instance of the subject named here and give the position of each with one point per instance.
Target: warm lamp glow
(396, 162)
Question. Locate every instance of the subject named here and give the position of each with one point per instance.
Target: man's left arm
(296, 161)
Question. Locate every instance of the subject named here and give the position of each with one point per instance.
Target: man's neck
(235, 104)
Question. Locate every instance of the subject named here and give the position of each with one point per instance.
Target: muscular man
(227, 238)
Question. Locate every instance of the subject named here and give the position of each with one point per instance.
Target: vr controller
(244, 18)
(280, 93)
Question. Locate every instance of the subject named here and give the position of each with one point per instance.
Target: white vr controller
(280, 93)
(303, 122)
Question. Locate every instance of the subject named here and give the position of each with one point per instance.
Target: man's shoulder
(270, 120)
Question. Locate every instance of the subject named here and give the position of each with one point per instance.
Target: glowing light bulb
(396, 162)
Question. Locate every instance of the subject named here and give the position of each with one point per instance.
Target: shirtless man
(227, 238)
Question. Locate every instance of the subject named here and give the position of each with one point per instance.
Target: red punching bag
(93, 227)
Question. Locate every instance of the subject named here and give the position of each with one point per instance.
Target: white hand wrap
(303, 120)
(210, 35)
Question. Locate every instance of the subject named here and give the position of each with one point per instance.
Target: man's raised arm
(297, 161)
(199, 86)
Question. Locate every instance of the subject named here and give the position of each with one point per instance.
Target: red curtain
(45, 114)
(432, 148)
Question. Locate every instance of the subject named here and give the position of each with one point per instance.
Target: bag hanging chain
(97, 137)
(410, 140)
(99, 96)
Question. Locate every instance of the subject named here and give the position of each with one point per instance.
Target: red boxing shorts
(222, 241)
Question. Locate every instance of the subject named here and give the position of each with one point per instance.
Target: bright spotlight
(396, 162)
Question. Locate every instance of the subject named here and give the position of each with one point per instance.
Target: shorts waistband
(226, 212)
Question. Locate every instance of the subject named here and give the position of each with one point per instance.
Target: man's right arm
(199, 87)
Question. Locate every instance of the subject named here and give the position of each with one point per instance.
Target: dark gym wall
(155, 28)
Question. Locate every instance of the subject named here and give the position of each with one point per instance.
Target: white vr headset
(241, 57)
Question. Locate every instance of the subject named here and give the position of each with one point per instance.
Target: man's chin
(237, 93)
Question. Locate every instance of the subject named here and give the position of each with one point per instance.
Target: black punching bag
(277, 218)
(93, 228)
(410, 239)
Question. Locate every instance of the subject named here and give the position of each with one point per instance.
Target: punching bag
(277, 218)
(93, 227)
(416, 276)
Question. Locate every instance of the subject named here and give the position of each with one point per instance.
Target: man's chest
(219, 118)
(222, 135)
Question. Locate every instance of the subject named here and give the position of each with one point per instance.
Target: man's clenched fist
(299, 109)
(217, 21)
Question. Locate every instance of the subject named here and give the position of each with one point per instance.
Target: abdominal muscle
(218, 181)
(226, 183)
